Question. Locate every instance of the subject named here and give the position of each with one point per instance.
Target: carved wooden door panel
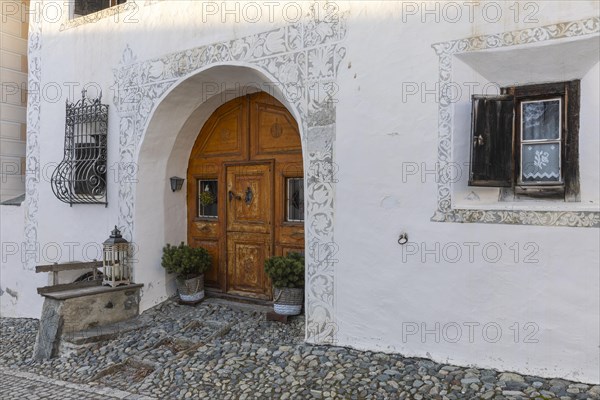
(222, 138)
(274, 135)
(249, 228)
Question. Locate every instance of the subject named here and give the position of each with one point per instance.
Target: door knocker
(403, 239)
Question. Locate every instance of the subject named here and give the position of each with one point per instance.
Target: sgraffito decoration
(32, 174)
(446, 51)
(303, 59)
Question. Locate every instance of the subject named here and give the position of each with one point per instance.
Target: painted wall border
(445, 51)
(303, 59)
(33, 166)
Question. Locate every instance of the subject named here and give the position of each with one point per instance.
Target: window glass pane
(88, 178)
(85, 7)
(295, 199)
(207, 198)
(541, 120)
(541, 162)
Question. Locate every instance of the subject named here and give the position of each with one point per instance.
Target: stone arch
(302, 70)
(164, 151)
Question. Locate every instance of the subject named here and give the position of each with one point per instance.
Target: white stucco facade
(512, 285)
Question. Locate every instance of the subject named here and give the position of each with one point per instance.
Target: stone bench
(80, 306)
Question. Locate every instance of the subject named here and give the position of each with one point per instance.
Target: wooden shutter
(571, 144)
(492, 141)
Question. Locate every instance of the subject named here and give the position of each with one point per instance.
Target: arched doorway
(245, 192)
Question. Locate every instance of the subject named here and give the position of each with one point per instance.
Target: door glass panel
(207, 198)
(295, 199)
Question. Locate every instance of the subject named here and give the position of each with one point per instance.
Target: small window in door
(295, 199)
(207, 198)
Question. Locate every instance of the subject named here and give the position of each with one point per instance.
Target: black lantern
(116, 262)
(176, 183)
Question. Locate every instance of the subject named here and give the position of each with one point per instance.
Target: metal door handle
(478, 140)
(233, 195)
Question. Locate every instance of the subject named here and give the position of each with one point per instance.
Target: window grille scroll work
(80, 178)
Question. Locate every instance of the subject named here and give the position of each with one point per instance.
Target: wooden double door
(245, 193)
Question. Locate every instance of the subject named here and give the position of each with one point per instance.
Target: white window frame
(523, 142)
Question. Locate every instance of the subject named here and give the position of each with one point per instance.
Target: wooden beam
(82, 291)
(273, 316)
(72, 266)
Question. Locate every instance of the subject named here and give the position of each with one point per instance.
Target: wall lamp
(176, 183)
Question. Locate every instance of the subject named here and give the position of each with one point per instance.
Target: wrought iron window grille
(80, 178)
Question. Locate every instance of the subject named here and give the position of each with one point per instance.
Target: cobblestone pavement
(16, 385)
(221, 351)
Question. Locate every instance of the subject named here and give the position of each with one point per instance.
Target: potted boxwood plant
(189, 264)
(287, 276)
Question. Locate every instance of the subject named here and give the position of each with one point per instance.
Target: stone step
(102, 333)
(249, 307)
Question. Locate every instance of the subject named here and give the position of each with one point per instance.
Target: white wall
(18, 297)
(383, 291)
(388, 295)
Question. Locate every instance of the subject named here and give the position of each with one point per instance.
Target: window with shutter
(527, 139)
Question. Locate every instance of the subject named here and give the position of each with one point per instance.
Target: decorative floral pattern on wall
(300, 57)
(445, 51)
(32, 177)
